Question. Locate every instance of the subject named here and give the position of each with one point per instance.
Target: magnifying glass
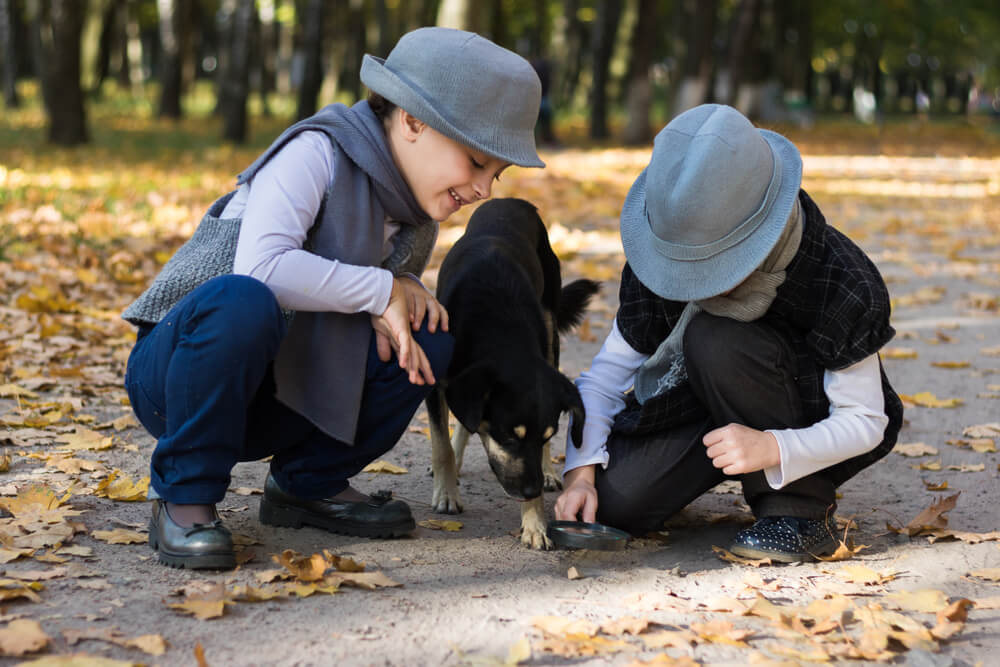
(581, 535)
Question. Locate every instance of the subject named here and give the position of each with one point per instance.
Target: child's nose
(482, 187)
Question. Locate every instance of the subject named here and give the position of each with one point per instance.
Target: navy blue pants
(201, 381)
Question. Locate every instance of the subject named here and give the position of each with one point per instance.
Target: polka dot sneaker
(786, 539)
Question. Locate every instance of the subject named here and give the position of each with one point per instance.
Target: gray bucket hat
(711, 205)
(465, 87)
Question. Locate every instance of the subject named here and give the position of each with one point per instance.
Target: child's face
(443, 174)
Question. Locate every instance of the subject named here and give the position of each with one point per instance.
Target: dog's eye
(520, 431)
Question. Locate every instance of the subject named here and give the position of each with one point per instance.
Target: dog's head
(515, 418)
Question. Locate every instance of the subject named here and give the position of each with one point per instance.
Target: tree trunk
(8, 54)
(574, 39)
(638, 88)
(456, 14)
(105, 44)
(175, 31)
(356, 43)
(386, 38)
(743, 25)
(61, 43)
(266, 62)
(696, 73)
(609, 13)
(234, 119)
(312, 48)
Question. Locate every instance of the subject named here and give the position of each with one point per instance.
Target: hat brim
(693, 280)
(519, 150)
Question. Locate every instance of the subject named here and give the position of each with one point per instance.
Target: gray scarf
(747, 302)
(320, 367)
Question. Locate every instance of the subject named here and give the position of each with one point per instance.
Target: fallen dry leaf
(572, 574)
(203, 610)
(914, 449)
(927, 601)
(22, 636)
(733, 558)
(119, 486)
(441, 524)
(982, 430)
(987, 573)
(119, 536)
(385, 467)
(898, 353)
(928, 400)
(932, 517)
(625, 625)
(559, 625)
(721, 632)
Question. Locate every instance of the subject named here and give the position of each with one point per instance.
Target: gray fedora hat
(711, 205)
(465, 87)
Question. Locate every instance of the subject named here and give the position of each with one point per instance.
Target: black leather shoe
(378, 517)
(206, 546)
(786, 539)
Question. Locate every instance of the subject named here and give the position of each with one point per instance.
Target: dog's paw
(552, 481)
(535, 536)
(445, 501)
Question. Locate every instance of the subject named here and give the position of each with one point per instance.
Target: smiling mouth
(456, 197)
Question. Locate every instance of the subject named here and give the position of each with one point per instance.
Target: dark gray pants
(743, 373)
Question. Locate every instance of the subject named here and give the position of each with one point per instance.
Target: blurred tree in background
(622, 66)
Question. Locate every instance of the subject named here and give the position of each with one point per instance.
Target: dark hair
(381, 107)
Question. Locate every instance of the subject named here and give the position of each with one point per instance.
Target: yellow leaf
(118, 486)
(15, 391)
(559, 625)
(845, 551)
(119, 536)
(928, 465)
(368, 580)
(201, 609)
(915, 449)
(929, 400)
(939, 486)
(721, 632)
(384, 466)
(441, 524)
(22, 636)
(683, 639)
(85, 438)
(573, 574)
(987, 573)
(950, 364)
(859, 574)
(927, 601)
(898, 353)
(12, 590)
(733, 558)
(625, 625)
(303, 568)
(7, 555)
(932, 517)
(519, 652)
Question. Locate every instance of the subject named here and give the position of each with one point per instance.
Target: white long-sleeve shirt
(278, 208)
(855, 425)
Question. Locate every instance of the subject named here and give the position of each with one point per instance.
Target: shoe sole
(220, 561)
(275, 514)
(782, 557)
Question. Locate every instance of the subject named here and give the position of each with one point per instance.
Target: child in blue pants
(292, 324)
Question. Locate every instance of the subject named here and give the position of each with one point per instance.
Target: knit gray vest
(320, 367)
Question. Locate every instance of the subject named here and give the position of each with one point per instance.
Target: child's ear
(410, 125)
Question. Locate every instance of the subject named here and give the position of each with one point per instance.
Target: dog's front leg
(552, 480)
(533, 524)
(445, 497)
(458, 442)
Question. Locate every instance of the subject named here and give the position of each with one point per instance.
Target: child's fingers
(383, 346)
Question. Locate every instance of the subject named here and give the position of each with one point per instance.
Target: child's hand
(579, 498)
(392, 332)
(738, 449)
(421, 302)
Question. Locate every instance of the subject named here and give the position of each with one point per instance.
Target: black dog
(501, 285)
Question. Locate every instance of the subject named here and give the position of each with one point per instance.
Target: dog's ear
(573, 404)
(468, 392)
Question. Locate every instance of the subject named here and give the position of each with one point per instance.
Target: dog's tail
(573, 301)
